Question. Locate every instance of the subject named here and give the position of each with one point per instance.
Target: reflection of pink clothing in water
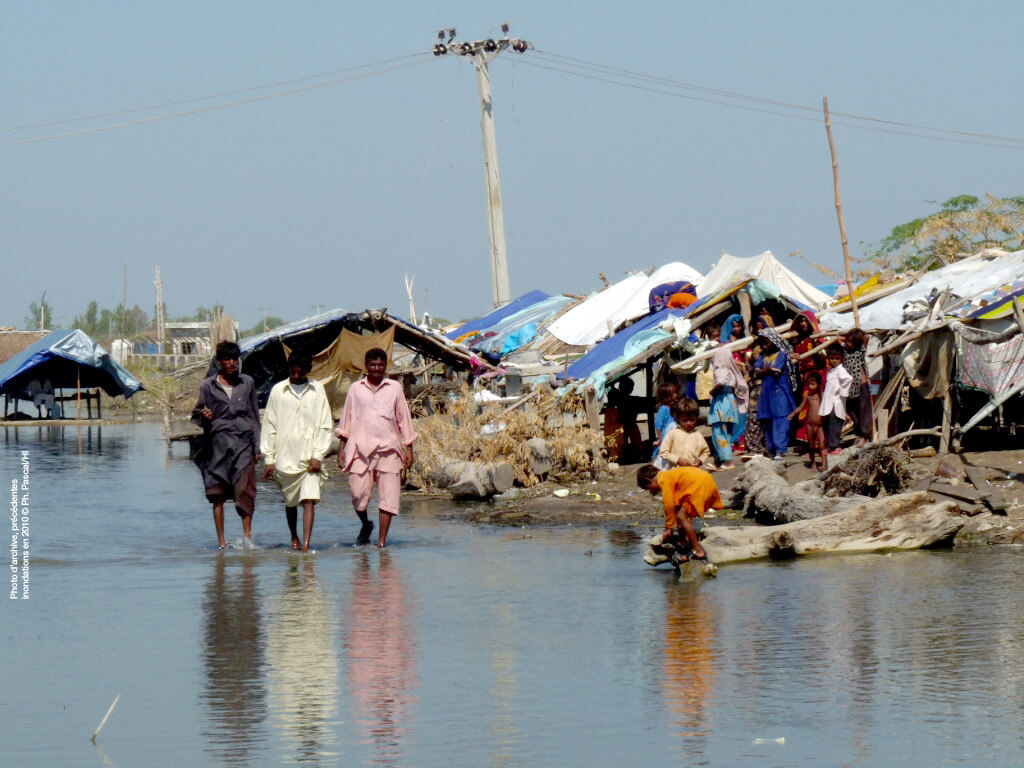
(377, 424)
(381, 650)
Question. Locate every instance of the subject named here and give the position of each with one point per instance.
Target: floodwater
(472, 646)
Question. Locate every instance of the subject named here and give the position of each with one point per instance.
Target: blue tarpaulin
(495, 317)
(614, 347)
(68, 359)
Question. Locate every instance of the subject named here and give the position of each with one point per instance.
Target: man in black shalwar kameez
(229, 416)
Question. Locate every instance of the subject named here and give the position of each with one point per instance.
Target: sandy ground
(615, 501)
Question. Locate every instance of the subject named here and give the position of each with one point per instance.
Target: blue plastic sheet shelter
(614, 347)
(69, 359)
(493, 318)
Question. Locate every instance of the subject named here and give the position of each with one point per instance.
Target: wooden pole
(78, 368)
(839, 213)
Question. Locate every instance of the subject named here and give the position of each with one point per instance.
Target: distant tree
(128, 323)
(963, 225)
(272, 322)
(89, 321)
(34, 310)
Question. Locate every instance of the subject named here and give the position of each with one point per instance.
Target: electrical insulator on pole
(481, 53)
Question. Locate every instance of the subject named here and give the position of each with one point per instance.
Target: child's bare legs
(291, 514)
(385, 524)
(218, 523)
(691, 536)
(816, 444)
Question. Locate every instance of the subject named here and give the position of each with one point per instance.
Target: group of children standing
(762, 396)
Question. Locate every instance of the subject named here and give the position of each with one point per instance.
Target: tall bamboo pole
(839, 213)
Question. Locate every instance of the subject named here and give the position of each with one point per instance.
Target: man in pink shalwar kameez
(376, 443)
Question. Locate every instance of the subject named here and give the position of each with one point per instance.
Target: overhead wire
(574, 64)
(215, 107)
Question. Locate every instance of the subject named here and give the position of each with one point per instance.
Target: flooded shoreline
(468, 644)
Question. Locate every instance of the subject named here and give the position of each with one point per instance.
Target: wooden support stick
(1018, 315)
(817, 349)
(731, 346)
(947, 420)
(839, 213)
(78, 368)
(935, 432)
(104, 720)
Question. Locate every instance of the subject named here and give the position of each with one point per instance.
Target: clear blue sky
(328, 196)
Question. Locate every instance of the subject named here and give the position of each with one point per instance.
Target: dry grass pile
(459, 434)
(875, 470)
(175, 391)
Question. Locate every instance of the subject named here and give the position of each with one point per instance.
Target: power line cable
(790, 115)
(583, 63)
(220, 95)
(212, 107)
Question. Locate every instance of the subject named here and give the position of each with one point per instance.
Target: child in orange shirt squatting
(686, 492)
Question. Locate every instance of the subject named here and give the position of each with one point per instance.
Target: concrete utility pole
(161, 320)
(481, 53)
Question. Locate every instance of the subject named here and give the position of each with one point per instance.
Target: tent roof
(263, 356)
(766, 267)
(68, 359)
(619, 303)
(614, 347)
(978, 277)
(493, 318)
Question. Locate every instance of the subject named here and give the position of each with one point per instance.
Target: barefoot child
(833, 400)
(684, 446)
(686, 492)
(812, 425)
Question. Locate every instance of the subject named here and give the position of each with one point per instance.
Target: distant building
(184, 343)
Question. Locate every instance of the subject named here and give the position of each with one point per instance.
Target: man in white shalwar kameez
(296, 435)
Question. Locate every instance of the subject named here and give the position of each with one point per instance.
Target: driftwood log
(763, 493)
(904, 521)
(472, 479)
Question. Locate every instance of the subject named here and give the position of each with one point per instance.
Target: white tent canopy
(622, 302)
(764, 267)
(968, 278)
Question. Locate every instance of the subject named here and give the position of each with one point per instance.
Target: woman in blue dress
(774, 370)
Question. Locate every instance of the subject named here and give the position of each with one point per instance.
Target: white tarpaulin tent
(622, 302)
(764, 267)
(967, 278)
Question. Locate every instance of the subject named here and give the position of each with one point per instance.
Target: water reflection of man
(230, 418)
(233, 643)
(380, 645)
(302, 665)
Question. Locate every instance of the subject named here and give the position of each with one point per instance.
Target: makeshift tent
(625, 301)
(493, 318)
(764, 267)
(977, 279)
(519, 329)
(619, 346)
(264, 357)
(64, 360)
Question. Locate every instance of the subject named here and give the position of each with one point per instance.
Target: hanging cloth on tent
(341, 364)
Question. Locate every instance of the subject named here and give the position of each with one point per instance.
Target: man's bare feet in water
(296, 544)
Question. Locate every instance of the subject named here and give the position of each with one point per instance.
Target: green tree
(34, 311)
(963, 225)
(272, 322)
(89, 321)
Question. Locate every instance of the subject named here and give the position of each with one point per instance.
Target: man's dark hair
(688, 407)
(645, 475)
(228, 350)
(298, 357)
(375, 353)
